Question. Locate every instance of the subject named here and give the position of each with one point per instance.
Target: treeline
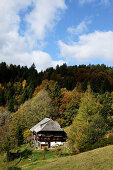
(17, 84)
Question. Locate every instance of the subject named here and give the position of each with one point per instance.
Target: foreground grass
(97, 159)
(30, 157)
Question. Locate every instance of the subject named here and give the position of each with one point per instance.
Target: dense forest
(78, 97)
(17, 84)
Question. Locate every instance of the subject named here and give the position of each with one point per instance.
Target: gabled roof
(46, 125)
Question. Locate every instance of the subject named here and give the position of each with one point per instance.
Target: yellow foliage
(112, 94)
(2, 109)
(0, 85)
(27, 135)
(24, 84)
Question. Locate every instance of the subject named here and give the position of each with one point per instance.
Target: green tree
(105, 101)
(87, 110)
(96, 129)
(2, 99)
(7, 146)
(11, 105)
(19, 135)
(6, 141)
(33, 111)
(27, 136)
(68, 109)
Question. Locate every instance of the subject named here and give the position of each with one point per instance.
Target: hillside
(17, 84)
(97, 159)
(86, 112)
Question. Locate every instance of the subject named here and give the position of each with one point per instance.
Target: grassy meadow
(97, 159)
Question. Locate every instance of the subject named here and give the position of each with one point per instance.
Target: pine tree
(11, 105)
(19, 135)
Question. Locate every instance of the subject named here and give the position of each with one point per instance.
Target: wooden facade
(47, 131)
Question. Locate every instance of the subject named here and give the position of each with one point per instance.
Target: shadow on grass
(15, 155)
(24, 154)
(14, 168)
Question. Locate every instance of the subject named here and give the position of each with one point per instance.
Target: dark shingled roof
(46, 125)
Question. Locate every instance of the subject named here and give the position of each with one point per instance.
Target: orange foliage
(8, 84)
(43, 86)
(66, 97)
(37, 89)
(112, 94)
(0, 85)
(24, 84)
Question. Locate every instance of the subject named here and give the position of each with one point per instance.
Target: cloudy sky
(51, 32)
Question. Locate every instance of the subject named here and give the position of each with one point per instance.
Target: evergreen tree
(19, 135)
(2, 99)
(96, 129)
(11, 105)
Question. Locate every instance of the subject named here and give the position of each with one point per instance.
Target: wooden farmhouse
(47, 132)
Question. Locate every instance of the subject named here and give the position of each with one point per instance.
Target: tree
(6, 141)
(27, 136)
(33, 111)
(96, 129)
(79, 128)
(106, 105)
(2, 98)
(7, 146)
(19, 135)
(11, 105)
(68, 109)
(84, 85)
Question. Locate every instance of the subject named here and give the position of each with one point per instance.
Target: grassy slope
(97, 159)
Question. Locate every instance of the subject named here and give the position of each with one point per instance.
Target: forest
(80, 98)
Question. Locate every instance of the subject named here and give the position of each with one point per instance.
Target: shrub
(100, 143)
(110, 140)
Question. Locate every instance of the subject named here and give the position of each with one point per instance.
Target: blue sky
(51, 32)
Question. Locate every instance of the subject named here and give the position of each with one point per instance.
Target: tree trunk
(8, 156)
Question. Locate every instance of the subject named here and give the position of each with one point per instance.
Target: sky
(51, 32)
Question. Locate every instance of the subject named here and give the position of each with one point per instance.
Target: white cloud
(44, 16)
(82, 27)
(43, 60)
(16, 49)
(96, 46)
(9, 18)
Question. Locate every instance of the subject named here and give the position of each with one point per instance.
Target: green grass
(31, 157)
(98, 159)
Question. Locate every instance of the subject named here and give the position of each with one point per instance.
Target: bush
(110, 140)
(100, 143)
